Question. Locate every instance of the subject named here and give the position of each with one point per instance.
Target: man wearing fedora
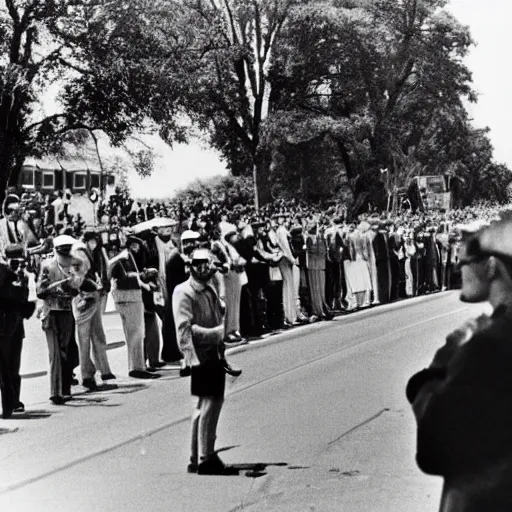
(13, 229)
(462, 400)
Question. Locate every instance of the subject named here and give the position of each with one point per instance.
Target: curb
(298, 330)
(301, 330)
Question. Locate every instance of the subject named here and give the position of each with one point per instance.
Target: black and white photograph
(255, 256)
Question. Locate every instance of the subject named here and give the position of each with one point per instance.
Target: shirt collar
(196, 285)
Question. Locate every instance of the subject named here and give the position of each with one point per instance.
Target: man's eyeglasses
(470, 260)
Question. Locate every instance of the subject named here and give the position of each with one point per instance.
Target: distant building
(47, 175)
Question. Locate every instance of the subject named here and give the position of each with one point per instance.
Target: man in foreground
(200, 332)
(462, 402)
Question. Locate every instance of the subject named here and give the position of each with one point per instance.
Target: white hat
(190, 235)
(201, 255)
(61, 240)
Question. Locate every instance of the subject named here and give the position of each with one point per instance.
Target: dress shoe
(302, 318)
(158, 364)
(185, 371)
(215, 466)
(19, 407)
(108, 376)
(58, 400)
(192, 467)
(90, 384)
(142, 374)
(234, 372)
(150, 369)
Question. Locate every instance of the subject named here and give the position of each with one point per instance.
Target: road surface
(317, 422)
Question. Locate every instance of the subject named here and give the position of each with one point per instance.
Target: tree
(91, 50)
(384, 78)
(230, 92)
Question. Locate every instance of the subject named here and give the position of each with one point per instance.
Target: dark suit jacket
(175, 272)
(463, 407)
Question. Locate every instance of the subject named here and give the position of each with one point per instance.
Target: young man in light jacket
(199, 318)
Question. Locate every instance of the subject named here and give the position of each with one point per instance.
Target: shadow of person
(31, 415)
(249, 469)
(88, 401)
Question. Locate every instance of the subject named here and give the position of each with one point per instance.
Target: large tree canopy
(291, 92)
(96, 52)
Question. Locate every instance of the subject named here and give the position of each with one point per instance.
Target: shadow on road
(87, 401)
(249, 469)
(32, 415)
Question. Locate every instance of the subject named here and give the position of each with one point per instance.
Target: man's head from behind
(486, 274)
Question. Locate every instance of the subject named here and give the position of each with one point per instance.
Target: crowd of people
(285, 265)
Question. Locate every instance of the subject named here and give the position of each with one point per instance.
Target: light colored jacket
(199, 321)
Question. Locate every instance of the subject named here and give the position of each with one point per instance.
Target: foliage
(226, 191)
(97, 53)
(384, 79)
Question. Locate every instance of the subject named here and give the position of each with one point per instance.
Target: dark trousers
(246, 312)
(383, 280)
(394, 265)
(10, 380)
(60, 335)
(258, 276)
(275, 311)
(170, 349)
(333, 288)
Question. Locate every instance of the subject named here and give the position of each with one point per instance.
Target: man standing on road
(176, 273)
(200, 332)
(127, 272)
(14, 307)
(57, 317)
(462, 402)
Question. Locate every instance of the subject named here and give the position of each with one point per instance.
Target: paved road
(320, 409)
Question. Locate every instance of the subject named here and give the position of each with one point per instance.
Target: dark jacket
(463, 408)
(124, 272)
(14, 305)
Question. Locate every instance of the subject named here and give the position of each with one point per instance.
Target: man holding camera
(198, 313)
(57, 317)
(14, 307)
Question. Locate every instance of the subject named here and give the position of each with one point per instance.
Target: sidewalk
(34, 363)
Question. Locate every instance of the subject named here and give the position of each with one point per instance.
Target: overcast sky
(489, 21)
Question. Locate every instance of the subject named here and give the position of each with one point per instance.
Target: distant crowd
(287, 264)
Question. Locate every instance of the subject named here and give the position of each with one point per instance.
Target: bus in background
(432, 192)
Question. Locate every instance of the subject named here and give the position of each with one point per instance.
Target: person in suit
(176, 272)
(14, 307)
(13, 229)
(462, 400)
